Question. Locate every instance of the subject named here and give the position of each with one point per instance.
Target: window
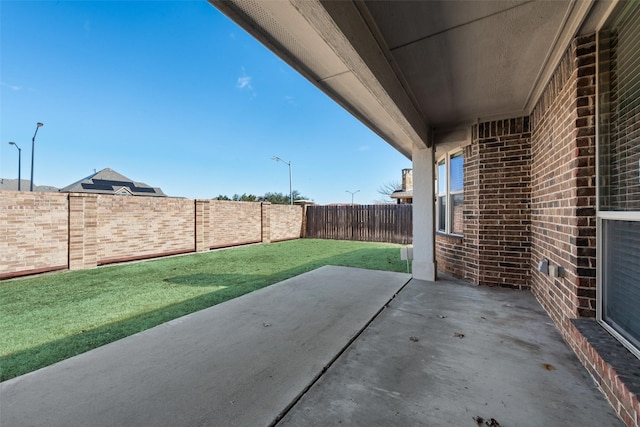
(619, 177)
(450, 194)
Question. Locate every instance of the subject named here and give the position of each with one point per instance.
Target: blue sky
(173, 94)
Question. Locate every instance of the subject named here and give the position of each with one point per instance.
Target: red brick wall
(471, 228)
(564, 213)
(450, 256)
(143, 227)
(33, 232)
(495, 249)
(234, 223)
(504, 197)
(285, 222)
(563, 186)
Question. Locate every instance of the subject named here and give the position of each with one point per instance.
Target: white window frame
(448, 194)
(601, 268)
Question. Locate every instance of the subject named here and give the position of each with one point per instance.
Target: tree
(281, 198)
(387, 190)
(275, 198)
(245, 198)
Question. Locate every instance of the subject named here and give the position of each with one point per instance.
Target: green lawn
(52, 317)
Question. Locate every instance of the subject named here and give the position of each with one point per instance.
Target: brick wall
(203, 225)
(50, 231)
(563, 217)
(451, 255)
(143, 227)
(83, 223)
(33, 232)
(563, 186)
(234, 223)
(285, 222)
(471, 211)
(504, 197)
(496, 246)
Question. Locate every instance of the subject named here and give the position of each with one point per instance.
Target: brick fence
(50, 231)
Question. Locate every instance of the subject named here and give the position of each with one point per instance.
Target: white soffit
(468, 60)
(406, 67)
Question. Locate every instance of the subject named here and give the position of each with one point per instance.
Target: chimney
(407, 179)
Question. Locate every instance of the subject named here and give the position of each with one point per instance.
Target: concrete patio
(332, 346)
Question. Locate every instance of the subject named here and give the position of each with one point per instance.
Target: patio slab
(329, 347)
(240, 363)
(444, 354)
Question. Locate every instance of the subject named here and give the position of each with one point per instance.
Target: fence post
(202, 225)
(266, 222)
(83, 223)
(303, 228)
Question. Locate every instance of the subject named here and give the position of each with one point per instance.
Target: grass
(52, 317)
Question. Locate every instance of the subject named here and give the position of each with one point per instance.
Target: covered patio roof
(407, 68)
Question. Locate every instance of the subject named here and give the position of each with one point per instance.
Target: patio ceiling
(405, 68)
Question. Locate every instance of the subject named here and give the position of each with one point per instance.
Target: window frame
(603, 216)
(448, 194)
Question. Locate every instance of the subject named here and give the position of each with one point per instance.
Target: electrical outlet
(556, 271)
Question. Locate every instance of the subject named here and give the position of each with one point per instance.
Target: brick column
(202, 225)
(503, 238)
(266, 222)
(83, 221)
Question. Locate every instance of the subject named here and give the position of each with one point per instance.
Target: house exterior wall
(234, 223)
(563, 185)
(452, 258)
(285, 222)
(564, 218)
(530, 194)
(34, 230)
(141, 227)
(495, 248)
(504, 198)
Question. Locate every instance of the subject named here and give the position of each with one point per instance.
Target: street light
(352, 193)
(33, 142)
(19, 163)
(278, 159)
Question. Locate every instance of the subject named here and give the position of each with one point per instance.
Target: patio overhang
(405, 68)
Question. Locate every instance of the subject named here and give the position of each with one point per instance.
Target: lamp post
(19, 163)
(278, 159)
(33, 143)
(352, 193)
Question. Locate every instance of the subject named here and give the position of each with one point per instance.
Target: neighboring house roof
(108, 181)
(402, 194)
(12, 185)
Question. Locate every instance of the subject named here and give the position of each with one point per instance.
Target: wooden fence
(370, 223)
